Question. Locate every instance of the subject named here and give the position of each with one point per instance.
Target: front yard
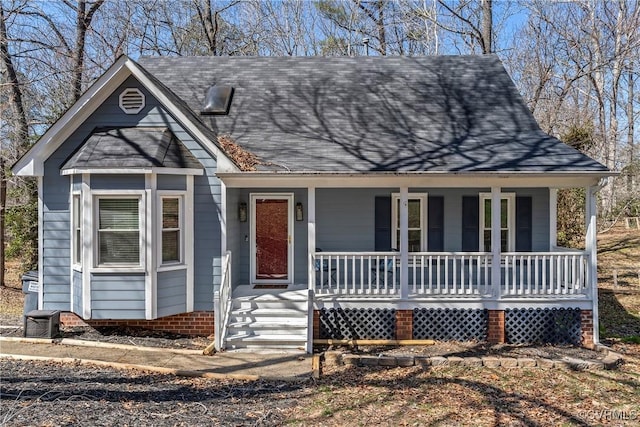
(38, 393)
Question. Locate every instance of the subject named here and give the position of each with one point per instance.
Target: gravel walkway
(39, 393)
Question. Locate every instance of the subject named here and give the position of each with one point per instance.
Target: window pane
(119, 214)
(487, 213)
(414, 213)
(487, 240)
(78, 247)
(414, 241)
(170, 246)
(504, 213)
(77, 236)
(170, 212)
(504, 240)
(118, 234)
(119, 247)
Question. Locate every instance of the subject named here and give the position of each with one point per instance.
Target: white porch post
(311, 234)
(592, 249)
(496, 267)
(553, 218)
(311, 239)
(404, 242)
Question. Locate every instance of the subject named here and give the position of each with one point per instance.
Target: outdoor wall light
(242, 212)
(299, 214)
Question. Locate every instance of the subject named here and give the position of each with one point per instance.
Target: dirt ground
(39, 393)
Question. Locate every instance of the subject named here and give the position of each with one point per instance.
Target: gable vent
(217, 100)
(132, 101)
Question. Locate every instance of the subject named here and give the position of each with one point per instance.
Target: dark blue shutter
(524, 219)
(383, 223)
(470, 223)
(435, 231)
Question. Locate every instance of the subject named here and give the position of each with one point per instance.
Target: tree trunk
(83, 21)
(487, 27)
(381, 28)
(15, 91)
(633, 173)
(3, 204)
(22, 128)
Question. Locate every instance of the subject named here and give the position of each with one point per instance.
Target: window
(119, 231)
(417, 227)
(171, 230)
(77, 229)
(507, 228)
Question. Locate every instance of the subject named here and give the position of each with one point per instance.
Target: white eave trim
(133, 171)
(32, 163)
(412, 179)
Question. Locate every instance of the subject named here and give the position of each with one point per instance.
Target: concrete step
(271, 304)
(238, 341)
(268, 320)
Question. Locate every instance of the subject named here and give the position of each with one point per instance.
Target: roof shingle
(365, 114)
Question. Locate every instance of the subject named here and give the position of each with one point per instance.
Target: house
(288, 200)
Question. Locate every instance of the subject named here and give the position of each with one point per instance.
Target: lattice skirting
(357, 323)
(548, 326)
(444, 324)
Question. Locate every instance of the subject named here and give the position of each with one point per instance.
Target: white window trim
(142, 225)
(423, 198)
(511, 208)
(76, 264)
(172, 265)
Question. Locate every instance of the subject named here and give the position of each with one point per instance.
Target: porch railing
(356, 273)
(452, 274)
(222, 304)
(545, 273)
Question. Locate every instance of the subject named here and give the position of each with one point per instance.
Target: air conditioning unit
(42, 324)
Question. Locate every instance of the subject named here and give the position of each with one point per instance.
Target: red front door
(272, 238)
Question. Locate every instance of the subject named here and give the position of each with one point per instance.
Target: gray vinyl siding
(172, 292)
(117, 182)
(117, 296)
(540, 216)
(55, 198)
(77, 292)
(345, 217)
(56, 244)
(172, 182)
(235, 235)
(77, 182)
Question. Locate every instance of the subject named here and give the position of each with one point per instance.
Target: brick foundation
(199, 323)
(404, 324)
(586, 327)
(495, 334)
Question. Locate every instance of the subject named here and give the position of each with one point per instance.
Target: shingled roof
(135, 147)
(367, 114)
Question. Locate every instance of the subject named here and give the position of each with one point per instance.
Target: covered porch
(346, 259)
